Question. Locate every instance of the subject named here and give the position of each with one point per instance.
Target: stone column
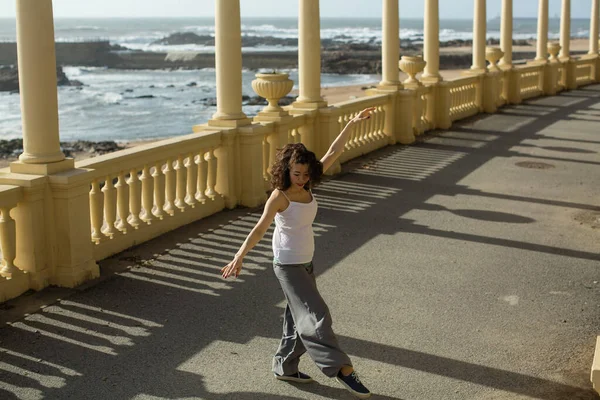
(594, 28)
(431, 46)
(390, 52)
(542, 33)
(37, 84)
(309, 55)
(228, 64)
(479, 33)
(506, 32)
(565, 30)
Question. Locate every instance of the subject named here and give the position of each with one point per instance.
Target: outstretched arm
(275, 203)
(337, 147)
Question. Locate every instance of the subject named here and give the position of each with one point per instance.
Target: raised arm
(275, 203)
(337, 147)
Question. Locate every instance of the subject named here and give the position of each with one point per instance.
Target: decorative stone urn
(553, 49)
(272, 87)
(412, 65)
(493, 55)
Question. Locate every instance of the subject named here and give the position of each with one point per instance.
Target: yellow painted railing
(140, 193)
(465, 97)
(531, 81)
(13, 281)
(137, 194)
(585, 70)
(561, 77)
(503, 88)
(424, 109)
(369, 134)
(293, 131)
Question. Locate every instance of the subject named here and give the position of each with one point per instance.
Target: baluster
(192, 180)
(159, 191)
(122, 203)
(373, 126)
(425, 111)
(454, 99)
(147, 195)
(181, 184)
(363, 130)
(272, 153)
(355, 134)
(135, 194)
(212, 174)
(202, 177)
(8, 242)
(96, 211)
(110, 207)
(265, 158)
(458, 100)
(343, 122)
(170, 183)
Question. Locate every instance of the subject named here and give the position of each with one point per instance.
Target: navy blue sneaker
(298, 377)
(353, 384)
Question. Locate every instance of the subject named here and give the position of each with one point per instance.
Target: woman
(307, 322)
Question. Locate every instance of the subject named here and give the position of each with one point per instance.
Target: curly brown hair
(290, 154)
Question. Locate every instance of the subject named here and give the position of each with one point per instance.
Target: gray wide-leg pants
(307, 324)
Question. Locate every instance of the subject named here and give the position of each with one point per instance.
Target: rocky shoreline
(338, 56)
(11, 149)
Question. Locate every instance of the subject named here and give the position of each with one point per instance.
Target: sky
(462, 9)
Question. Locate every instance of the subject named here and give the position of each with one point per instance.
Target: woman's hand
(233, 268)
(364, 114)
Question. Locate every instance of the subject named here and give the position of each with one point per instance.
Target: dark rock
(145, 96)
(95, 148)
(186, 38)
(256, 101)
(128, 90)
(118, 47)
(170, 86)
(9, 79)
(208, 101)
(181, 38)
(192, 84)
(286, 101)
(10, 148)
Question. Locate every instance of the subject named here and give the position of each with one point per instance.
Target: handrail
(124, 160)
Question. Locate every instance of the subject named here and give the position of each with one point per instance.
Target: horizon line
(275, 17)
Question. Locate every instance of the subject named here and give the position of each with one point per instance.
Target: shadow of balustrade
(165, 325)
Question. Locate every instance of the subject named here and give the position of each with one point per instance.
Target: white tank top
(293, 239)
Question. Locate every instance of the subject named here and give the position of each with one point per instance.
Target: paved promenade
(464, 267)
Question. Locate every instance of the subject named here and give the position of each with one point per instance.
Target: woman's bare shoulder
(279, 200)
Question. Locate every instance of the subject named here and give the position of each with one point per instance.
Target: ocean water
(109, 106)
(139, 33)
